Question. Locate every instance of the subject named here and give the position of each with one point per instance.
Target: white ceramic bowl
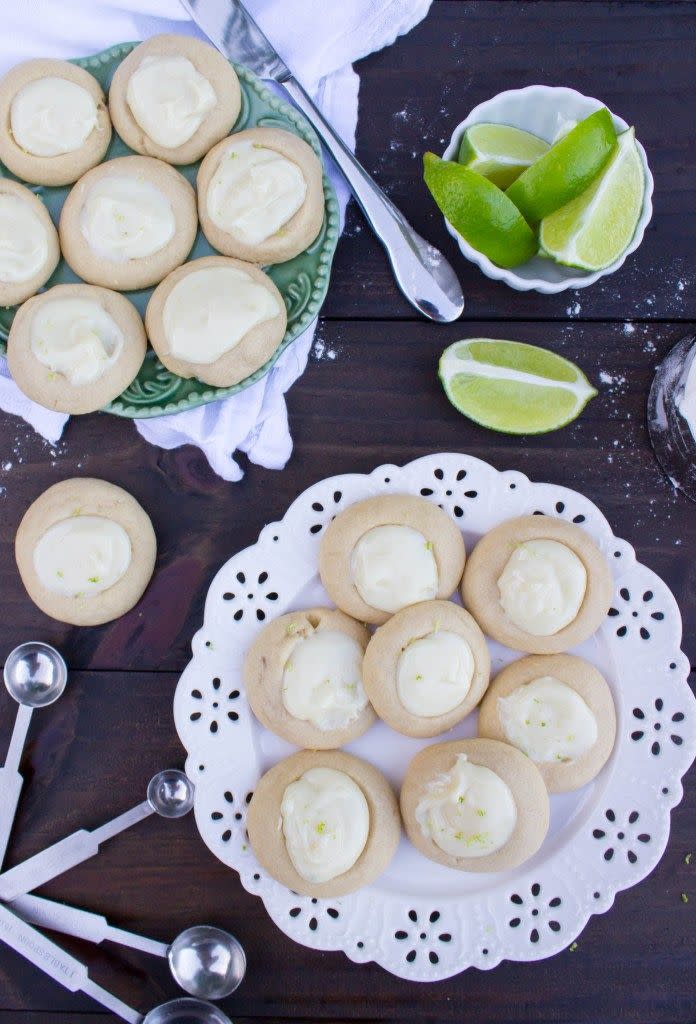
(542, 109)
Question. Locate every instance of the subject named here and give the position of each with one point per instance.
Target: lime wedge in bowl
(513, 387)
(592, 231)
(567, 169)
(500, 152)
(480, 212)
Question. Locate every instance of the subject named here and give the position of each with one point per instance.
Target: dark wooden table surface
(372, 396)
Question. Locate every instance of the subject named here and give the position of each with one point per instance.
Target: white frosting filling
(209, 311)
(434, 673)
(687, 399)
(542, 586)
(169, 98)
(254, 191)
(82, 556)
(325, 821)
(51, 116)
(76, 338)
(126, 218)
(468, 811)
(23, 240)
(548, 720)
(322, 680)
(394, 566)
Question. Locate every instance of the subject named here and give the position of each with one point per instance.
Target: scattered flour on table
(629, 328)
(573, 309)
(322, 351)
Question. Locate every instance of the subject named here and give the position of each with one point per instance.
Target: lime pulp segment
(593, 230)
(513, 387)
(499, 152)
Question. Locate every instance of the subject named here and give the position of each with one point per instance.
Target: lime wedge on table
(480, 212)
(593, 230)
(499, 152)
(513, 387)
(566, 169)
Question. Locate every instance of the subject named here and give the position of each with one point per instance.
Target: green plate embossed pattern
(302, 281)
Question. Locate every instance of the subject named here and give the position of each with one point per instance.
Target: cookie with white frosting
(303, 678)
(128, 223)
(216, 319)
(558, 710)
(75, 347)
(426, 668)
(324, 823)
(475, 805)
(261, 196)
(173, 97)
(29, 248)
(85, 550)
(55, 122)
(537, 584)
(385, 553)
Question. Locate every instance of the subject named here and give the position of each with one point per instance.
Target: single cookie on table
(385, 553)
(426, 668)
(173, 97)
(558, 710)
(75, 347)
(29, 249)
(216, 319)
(475, 805)
(324, 823)
(56, 125)
(261, 195)
(537, 584)
(128, 223)
(303, 678)
(85, 550)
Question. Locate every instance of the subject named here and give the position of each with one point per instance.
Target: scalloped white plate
(420, 920)
(541, 110)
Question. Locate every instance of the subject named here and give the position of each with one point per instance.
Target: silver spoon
(35, 676)
(169, 794)
(186, 1011)
(670, 435)
(72, 974)
(205, 961)
(421, 271)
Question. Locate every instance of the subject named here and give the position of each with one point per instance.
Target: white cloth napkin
(319, 40)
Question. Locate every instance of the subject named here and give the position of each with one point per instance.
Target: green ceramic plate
(302, 281)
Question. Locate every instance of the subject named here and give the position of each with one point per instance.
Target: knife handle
(421, 271)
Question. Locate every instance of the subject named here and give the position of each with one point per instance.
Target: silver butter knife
(421, 271)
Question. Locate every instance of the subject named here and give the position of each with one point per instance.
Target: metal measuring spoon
(35, 676)
(205, 961)
(72, 974)
(673, 443)
(169, 794)
(186, 1011)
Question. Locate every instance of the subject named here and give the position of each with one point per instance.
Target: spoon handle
(65, 854)
(421, 271)
(10, 779)
(58, 964)
(83, 924)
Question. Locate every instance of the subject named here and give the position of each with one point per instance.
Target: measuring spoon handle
(10, 779)
(58, 964)
(83, 924)
(65, 854)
